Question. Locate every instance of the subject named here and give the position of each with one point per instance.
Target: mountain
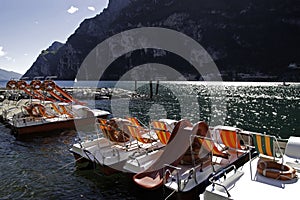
(44, 64)
(7, 75)
(248, 40)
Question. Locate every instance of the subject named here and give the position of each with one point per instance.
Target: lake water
(43, 168)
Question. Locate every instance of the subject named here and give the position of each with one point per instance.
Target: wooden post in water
(135, 86)
(151, 91)
(157, 85)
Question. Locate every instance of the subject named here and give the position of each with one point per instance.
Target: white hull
(247, 183)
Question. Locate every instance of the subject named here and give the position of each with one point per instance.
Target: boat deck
(191, 176)
(240, 185)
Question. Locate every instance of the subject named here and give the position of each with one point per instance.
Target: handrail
(140, 153)
(135, 158)
(113, 151)
(223, 172)
(172, 166)
(222, 187)
(169, 172)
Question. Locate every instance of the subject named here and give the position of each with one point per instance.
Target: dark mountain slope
(249, 36)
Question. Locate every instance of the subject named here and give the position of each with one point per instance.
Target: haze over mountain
(248, 40)
(7, 75)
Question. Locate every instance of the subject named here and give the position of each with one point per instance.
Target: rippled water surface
(43, 168)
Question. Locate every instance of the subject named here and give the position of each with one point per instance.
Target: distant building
(293, 66)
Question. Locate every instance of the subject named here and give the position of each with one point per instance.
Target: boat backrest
(229, 137)
(202, 132)
(264, 144)
(112, 132)
(104, 128)
(134, 121)
(161, 131)
(136, 133)
(209, 145)
(102, 121)
(267, 145)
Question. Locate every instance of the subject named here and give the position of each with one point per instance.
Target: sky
(29, 26)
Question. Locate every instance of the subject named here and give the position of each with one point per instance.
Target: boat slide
(36, 88)
(153, 176)
(53, 89)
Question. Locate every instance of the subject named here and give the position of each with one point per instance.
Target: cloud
(2, 53)
(72, 10)
(91, 8)
(8, 58)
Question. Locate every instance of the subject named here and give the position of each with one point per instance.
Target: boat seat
(231, 139)
(266, 145)
(202, 145)
(219, 192)
(138, 135)
(229, 181)
(268, 148)
(135, 122)
(291, 154)
(162, 132)
(293, 147)
(208, 195)
(111, 131)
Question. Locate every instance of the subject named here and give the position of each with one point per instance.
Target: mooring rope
(66, 165)
(170, 194)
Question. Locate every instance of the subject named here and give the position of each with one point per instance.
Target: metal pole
(151, 91)
(157, 85)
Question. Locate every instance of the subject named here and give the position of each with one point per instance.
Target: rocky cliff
(249, 38)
